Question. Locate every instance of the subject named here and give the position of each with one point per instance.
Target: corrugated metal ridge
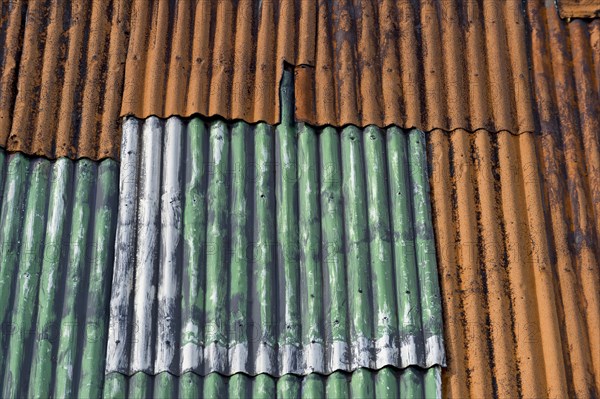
(361, 63)
(567, 85)
(295, 215)
(61, 76)
(385, 383)
(57, 231)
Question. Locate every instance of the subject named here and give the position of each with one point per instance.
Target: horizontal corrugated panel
(254, 249)
(68, 67)
(386, 383)
(61, 76)
(519, 283)
(361, 63)
(579, 8)
(426, 64)
(57, 229)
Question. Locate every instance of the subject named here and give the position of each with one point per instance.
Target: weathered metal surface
(517, 287)
(58, 222)
(61, 76)
(67, 68)
(363, 62)
(282, 250)
(517, 223)
(386, 383)
(578, 8)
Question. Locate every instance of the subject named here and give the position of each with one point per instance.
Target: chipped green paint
(332, 232)
(379, 231)
(54, 292)
(287, 219)
(425, 244)
(76, 266)
(15, 177)
(28, 278)
(305, 255)
(100, 276)
(217, 193)
(310, 234)
(402, 230)
(357, 231)
(264, 238)
(240, 219)
(41, 367)
(194, 237)
(385, 383)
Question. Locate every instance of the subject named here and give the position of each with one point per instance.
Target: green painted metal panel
(385, 383)
(304, 249)
(58, 222)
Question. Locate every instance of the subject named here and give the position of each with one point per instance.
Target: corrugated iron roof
(578, 8)
(517, 223)
(519, 288)
(58, 222)
(363, 383)
(68, 67)
(61, 76)
(357, 63)
(318, 249)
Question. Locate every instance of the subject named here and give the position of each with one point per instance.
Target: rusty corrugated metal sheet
(517, 223)
(57, 233)
(61, 76)
(64, 70)
(445, 64)
(519, 287)
(579, 8)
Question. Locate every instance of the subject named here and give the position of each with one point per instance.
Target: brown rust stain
(213, 58)
(571, 154)
(75, 67)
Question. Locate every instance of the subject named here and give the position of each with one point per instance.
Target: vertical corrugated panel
(260, 250)
(61, 76)
(516, 307)
(255, 249)
(385, 383)
(566, 64)
(517, 223)
(357, 62)
(58, 222)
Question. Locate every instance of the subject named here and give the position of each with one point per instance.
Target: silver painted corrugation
(121, 311)
(149, 330)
